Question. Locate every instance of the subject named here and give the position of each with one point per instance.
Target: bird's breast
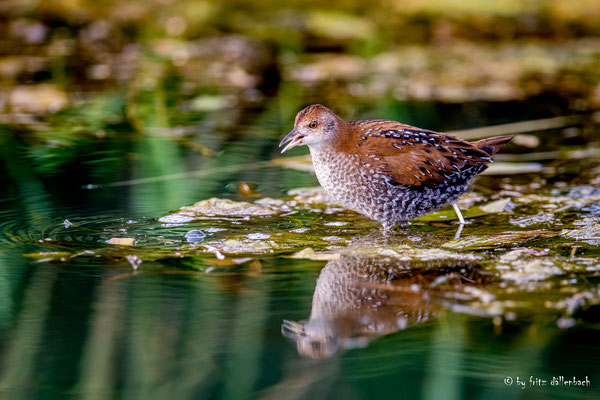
(346, 179)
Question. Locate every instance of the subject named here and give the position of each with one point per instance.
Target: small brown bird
(386, 170)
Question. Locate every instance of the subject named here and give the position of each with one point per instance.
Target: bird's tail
(492, 145)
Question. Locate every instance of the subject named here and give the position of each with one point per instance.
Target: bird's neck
(325, 153)
(341, 141)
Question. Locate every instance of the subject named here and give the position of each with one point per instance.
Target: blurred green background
(73, 73)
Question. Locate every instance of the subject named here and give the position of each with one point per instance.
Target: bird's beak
(295, 137)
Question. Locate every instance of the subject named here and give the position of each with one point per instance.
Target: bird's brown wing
(411, 156)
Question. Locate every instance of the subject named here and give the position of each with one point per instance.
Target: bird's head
(315, 125)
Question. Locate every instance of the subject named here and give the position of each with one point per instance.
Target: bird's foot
(461, 220)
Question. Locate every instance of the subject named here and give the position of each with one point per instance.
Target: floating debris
(590, 232)
(216, 251)
(332, 238)
(215, 230)
(248, 189)
(256, 236)
(244, 246)
(134, 261)
(310, 254)
(300, 230)
(45, 256)
(122, 241)
(67, 224)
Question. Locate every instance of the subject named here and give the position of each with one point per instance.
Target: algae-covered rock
(49, 256)
(310, 254)
(244, 246)
(477, 242)
(539, 269)
(590, 232)
(539, 218)
(311, 195)
(576, 201)
(218, 208)
(519, 254)
(405, 252)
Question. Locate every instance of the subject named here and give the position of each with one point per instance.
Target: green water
(185, 324)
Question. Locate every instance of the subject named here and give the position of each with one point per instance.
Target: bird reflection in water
(357, 300)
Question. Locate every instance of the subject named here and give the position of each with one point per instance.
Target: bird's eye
(313, 125)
